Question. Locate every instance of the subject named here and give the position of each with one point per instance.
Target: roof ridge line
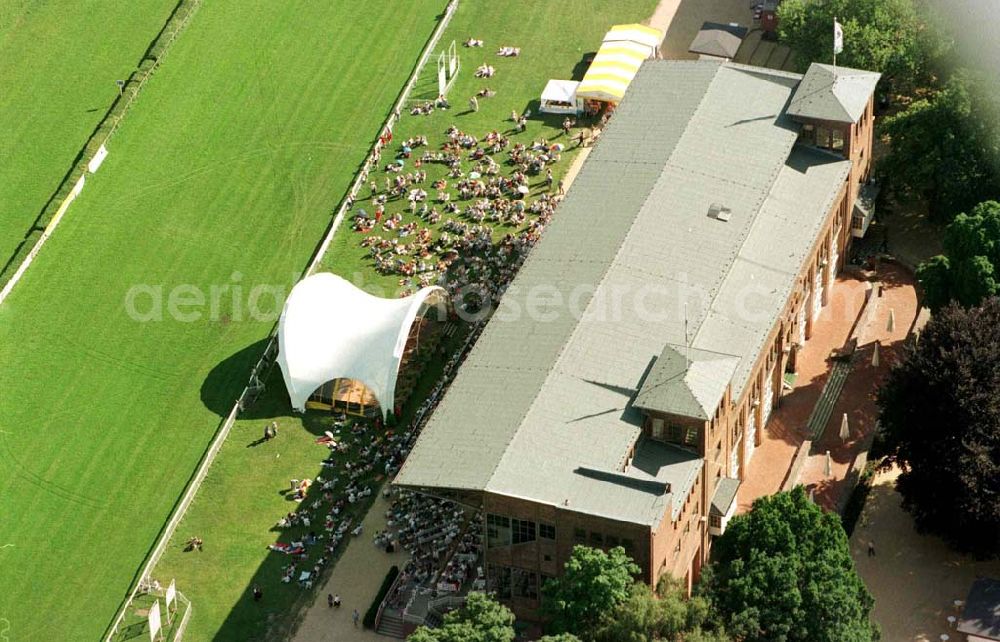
(746, 231)
(604, 274)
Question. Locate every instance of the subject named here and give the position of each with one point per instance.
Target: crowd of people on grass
(473, 225)
(361, 453)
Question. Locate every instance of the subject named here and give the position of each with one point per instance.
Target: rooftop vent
(719, 212)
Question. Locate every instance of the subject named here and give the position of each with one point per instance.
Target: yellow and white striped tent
(617, 62)
(635, 33)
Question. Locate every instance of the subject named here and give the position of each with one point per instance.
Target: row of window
(504, 531)
(510, 582)
(600, 540)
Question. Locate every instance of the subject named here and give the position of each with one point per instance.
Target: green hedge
(856, 502)
(372, 612)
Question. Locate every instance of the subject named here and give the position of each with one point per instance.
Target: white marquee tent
(330, 329)
(559, 97)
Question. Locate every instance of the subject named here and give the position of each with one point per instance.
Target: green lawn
(223, 174)
(58, 66)
(554, 38)
(240, 500)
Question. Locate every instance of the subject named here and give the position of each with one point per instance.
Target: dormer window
(658, 429)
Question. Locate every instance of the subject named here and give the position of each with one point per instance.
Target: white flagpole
(838, 40)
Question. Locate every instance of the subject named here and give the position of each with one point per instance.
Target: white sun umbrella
(523, 189)
(828, 465)
(875, 360)
(891, 325)
(474, 175)
(845, 429)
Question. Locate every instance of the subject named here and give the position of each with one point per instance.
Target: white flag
(838, 37)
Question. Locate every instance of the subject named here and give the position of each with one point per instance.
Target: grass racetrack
(224, 173)
(58, 66)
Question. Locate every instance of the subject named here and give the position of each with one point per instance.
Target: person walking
(257, 593)
(474, 104)
(336, 601)
(548, 179)
(355, 616)
(329, 600)
(871, 548)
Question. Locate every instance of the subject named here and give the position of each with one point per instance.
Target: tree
(879, 35)
(940, 415)
(944, 149)
(593, 584)
(482, 619)
(783, 572)
(967, 272)
(669, 615)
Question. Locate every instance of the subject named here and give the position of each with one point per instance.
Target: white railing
(102, 149)
(168, 531)
(390, 123)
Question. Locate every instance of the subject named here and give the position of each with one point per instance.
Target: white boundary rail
(390, 123)
(102, 150)
(259, 370)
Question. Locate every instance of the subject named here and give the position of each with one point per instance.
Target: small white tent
(559, 97)
(330, 329)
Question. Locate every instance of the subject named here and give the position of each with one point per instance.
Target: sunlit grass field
(58, 65)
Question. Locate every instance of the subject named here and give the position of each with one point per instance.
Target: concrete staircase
(827, 400)
(391, 625)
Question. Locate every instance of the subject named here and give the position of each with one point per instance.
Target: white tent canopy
(559, 97)
(330, 329)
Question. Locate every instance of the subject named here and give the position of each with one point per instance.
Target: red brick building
(618, 391)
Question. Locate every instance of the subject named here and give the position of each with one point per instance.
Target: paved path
(915, 578)
(857, 399)
(787, 428)
(357, 578)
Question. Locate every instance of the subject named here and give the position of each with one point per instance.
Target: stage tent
(330, 329)
(624, 49)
